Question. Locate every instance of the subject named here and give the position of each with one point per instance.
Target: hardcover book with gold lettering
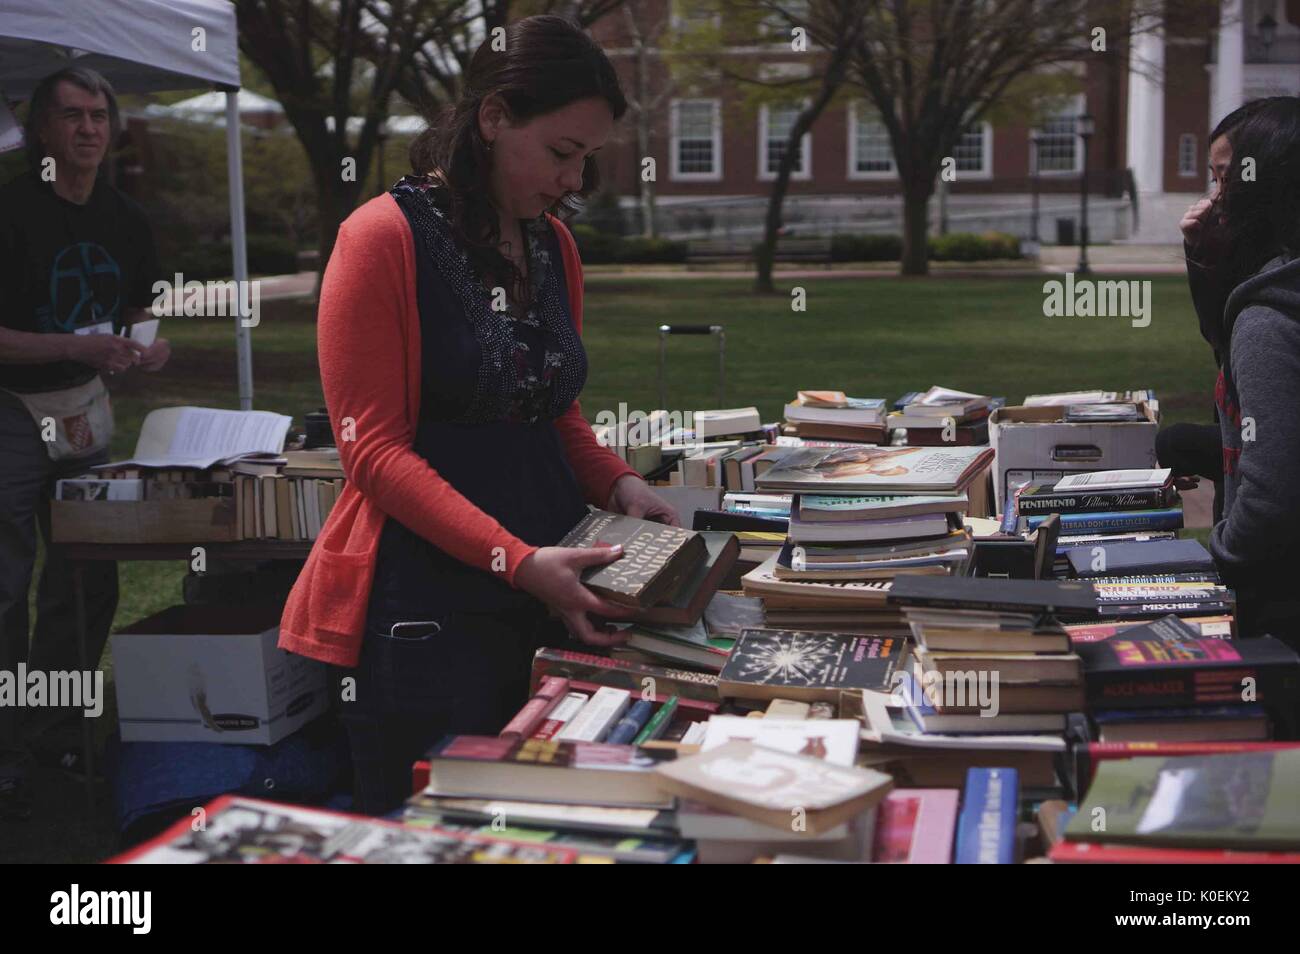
(656, 559)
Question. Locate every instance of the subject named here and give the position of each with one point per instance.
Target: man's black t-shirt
(65, 266)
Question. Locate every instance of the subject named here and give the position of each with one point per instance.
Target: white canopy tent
(139, 46)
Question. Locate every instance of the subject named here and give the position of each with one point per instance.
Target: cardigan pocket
(339, 591)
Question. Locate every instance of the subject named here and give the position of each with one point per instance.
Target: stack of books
(1188, 595)
(842, 606)
(944, 417)
(1103, 503)
(754, 791)
(704, 644)
(992, 655)
(832, 415)
(284, 497)
(723, 835)
(1167, 680)
(894, 741)
(873, 513)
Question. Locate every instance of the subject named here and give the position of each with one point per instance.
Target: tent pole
(238, 248)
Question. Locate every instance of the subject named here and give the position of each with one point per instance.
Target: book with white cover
(835, 740)
(735, 420)
(597, 717)
(1113, 480)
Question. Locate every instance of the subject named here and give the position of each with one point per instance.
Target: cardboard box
(213, 674)
(205, 520)
(1034, 443)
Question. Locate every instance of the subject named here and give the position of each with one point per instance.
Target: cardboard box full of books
(1037, 443)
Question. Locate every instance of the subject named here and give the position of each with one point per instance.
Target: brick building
(1153, 107)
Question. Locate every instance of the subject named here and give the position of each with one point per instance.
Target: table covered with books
(951, 631)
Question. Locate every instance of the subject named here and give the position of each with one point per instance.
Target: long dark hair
(545, 63)
(1260, 214)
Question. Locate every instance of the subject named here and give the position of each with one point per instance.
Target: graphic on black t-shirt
(85, 289)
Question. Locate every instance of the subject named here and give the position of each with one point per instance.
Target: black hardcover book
(656, 558)
(1064, 597)
(1141, 557)
(1042, 498)
(735, 521)
(965, 435)
(1154, 609)
(1167, 663)
(808, 666)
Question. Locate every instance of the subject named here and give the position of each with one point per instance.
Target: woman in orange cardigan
(451, 359)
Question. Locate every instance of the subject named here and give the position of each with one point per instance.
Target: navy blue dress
(491, 384)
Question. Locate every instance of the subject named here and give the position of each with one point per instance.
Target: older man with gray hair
(77, 266)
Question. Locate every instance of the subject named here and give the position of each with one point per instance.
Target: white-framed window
(774, 125)
(974, 152)
(870, 154)
(687, 15)
(775, 27)
(1060, 150)
(1188, 167)
(696, 140)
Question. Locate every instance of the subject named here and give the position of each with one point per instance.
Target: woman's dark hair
(543, 63)
(1260, 197)
(1235, 118)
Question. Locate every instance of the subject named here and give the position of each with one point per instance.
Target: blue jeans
(459, 673)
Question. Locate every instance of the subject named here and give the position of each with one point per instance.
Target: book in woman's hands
(656, 559)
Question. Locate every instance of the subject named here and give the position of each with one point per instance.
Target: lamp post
(1035, 141)
(1085, 126)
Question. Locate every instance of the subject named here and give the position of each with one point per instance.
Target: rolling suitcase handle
(666, 330)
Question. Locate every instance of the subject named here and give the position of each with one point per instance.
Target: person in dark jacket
(1252, 237)
(1195, 451)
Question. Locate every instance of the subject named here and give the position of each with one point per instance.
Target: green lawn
(873, 337)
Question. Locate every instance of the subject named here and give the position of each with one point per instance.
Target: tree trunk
(916, 212)
(647, 185)
(767, 248)
(336, 199)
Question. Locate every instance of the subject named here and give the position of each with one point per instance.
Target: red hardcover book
(1082, 852)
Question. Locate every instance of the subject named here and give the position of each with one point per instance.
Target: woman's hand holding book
(552, 574)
